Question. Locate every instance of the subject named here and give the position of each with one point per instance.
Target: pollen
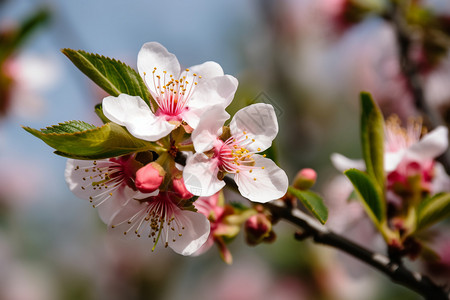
(234, 155)
(398, 137)
(172, 92)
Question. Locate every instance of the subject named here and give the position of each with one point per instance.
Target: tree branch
(322, 235)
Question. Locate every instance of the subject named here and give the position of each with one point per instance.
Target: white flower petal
(124, 108)
(150, 129)
(205, 247)
(271, 182)
(74, 179)
(441, 181)
(131, 208)
(109, 209)
(133, 113)
(206, 70)
(259, 122)
(200, 175)
(393, 159)
(193, 236)
(209, 128)
(431, 145)
(109, 200)
(211, 92)
(342, 163)
(153, 55)
(192, 116)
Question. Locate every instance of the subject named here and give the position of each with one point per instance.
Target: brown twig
(322, 235)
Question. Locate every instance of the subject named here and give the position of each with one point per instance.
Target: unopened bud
(149, 177)
(257, 228)
(305, 179)
(180, 189)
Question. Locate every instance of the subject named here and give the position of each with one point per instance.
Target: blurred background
(308, 58)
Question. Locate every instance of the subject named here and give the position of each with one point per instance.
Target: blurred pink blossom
(250, 279)
(31, 76)
(19, 181)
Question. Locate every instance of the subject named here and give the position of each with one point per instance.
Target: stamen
(172, 95)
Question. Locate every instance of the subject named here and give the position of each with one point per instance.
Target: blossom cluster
(156, 194)
(412, 176)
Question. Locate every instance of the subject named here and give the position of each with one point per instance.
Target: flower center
(172, 94)
(158, 218)
(398, 138)
(103, 178)
(233, 155)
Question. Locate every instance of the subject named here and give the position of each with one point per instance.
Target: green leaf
(111, 75)
(372, 138)
(312, 202)
(370, 194)
(76, 139)
(433, 210)
(68, 127)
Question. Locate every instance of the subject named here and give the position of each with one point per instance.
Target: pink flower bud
(180, 189)
(149, 177)
(257, 228)
(305, 179)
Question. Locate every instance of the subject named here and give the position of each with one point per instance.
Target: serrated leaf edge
(29, 129)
